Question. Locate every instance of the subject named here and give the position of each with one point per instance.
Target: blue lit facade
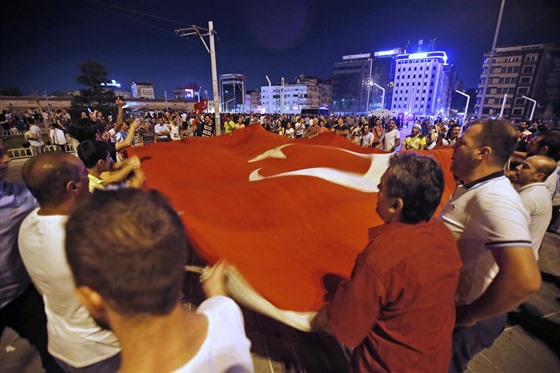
(421, 84)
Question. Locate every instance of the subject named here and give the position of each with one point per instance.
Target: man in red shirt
(397, 310)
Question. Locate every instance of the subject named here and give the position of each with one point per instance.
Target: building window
(525, 80)
(522, 90)
(528, 69)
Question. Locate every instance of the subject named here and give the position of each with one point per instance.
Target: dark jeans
(555, 220)
(26, 315)
(469, 341)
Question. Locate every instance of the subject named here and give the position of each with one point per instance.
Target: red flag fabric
(289, 214)
(201, 106)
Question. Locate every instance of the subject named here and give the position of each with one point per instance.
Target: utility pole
(201, 32)
(491, 60)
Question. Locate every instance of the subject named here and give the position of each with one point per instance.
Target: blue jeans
(469, 341)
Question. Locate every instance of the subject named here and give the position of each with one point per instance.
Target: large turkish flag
(289, 214)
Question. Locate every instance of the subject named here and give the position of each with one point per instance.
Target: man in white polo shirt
(529, 179)
(490, 224)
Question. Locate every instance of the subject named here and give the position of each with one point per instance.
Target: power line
(99, 3)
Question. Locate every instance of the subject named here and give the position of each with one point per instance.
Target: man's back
(225, 348)
(74, 337)
(401, 299)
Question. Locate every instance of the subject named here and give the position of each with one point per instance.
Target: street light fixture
(534, 106)
(382, 95)
(466, 106)
(195, 30)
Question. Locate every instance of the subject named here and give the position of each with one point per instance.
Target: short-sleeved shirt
(537, 202)
(15, 203)
(487, 214)
(414, 143)
(398, 306)
(390, 139)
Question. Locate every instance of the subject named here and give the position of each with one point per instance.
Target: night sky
(43, 42)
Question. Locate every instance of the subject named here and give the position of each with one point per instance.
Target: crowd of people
(94, 280)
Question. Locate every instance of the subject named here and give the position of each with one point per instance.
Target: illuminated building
(383, 73)
(232, 91)
(306, 92)
(142, 90)
(351, 83)
(189, 92)
(356, 80)
(116, 87)
(421, 84)
(528, 70)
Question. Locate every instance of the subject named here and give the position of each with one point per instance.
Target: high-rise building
(351, 84)
(382, 74)
(290, 98)
(532, 71)
(142, 90)
(232, 90)
(421, 84)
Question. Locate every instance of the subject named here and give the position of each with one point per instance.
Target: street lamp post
(269, 93)
(225, 104)
(382, 95)
(491, 60)
(503, 106)
(195, 30)
(466, 106)
(534, 106)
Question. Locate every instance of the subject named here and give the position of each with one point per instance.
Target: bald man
(529, 179)
(59, 182)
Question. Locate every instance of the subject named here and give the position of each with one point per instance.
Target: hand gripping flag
(291, 215)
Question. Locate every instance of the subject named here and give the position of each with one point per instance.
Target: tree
(92, 74)
(10, 91)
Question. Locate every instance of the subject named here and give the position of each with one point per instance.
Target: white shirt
(390, 139)
(74, 337)
(488, 215)
(36, 131)
(553, 186)
(160, 128)
(226, 347)
(536, 199)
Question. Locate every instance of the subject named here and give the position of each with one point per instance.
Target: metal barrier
(26, 152)
(15, 132)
